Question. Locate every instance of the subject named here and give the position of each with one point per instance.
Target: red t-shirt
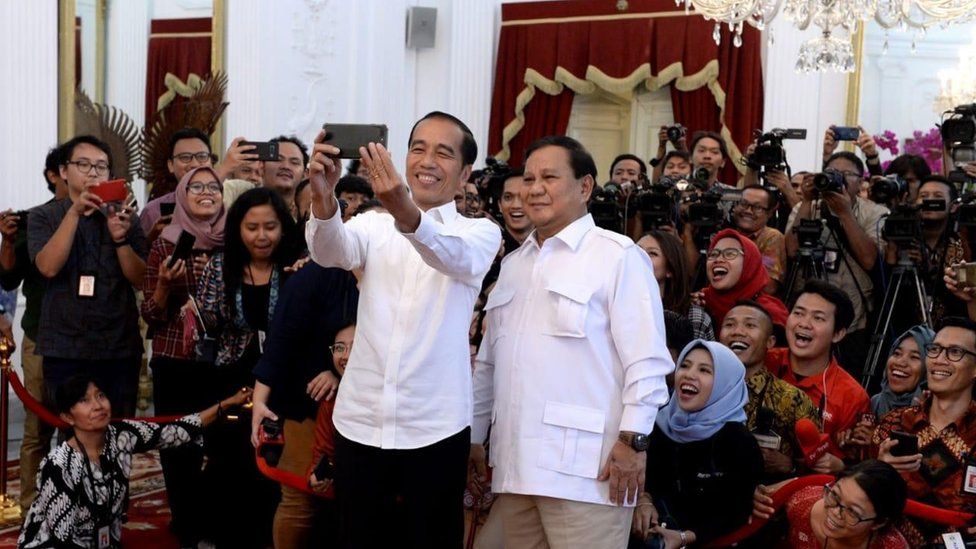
(838, 397)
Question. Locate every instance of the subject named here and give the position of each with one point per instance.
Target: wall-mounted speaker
(421, 27)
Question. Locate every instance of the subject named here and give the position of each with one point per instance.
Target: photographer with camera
(708, 150)
(750, 217)
(850, 242)
(900, 182)
(864, 141)
(16, 267)
(935, 247)
(677, 136)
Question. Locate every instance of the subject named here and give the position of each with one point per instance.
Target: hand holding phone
(266, 151)
(184, 247)
(348, 138)
(111, 191)
(846, 133)
(907, 444)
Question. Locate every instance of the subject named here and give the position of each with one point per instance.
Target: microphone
(813, 443)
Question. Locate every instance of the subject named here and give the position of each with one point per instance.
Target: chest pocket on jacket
(568, 303)
(499, 313)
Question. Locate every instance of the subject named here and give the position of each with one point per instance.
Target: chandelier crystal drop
(832, 51)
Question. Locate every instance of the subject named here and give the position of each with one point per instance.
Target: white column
(473, 42)
(244, 58)
(126, 52)
(28, 99)
(813, 101)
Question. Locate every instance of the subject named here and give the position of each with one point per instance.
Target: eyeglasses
(472, 198)
(200, 157)
(832, 500)
(746, 206)
(211, 187)
(85, 166)
(852, 176)
(728, 254)
(954, 354)
(340, 348)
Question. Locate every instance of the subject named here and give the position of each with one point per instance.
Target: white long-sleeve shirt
(408, 380)
(574, 352)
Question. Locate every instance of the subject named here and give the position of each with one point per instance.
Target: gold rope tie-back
(175, 86)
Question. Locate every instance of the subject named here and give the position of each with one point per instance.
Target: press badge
(104, 539)
(831, 260)
(953, 540)
(86, 285)
(969, 476)
(262, 335)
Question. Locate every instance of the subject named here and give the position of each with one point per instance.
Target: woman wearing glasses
(735, 272)
(858, 510)
(167, 287)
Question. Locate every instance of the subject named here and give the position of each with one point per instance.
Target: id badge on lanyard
(104, 540)
(968, 476)
(86, 284)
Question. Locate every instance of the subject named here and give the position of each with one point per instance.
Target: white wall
(812, 101)
(345, 61)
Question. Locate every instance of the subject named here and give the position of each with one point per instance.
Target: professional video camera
(492, 183)
(958, 131)
(829, 181)
(966, 211)
(808, 233)
(605, 207)
(769, 153)
(656, 202)
(903, 227)
(886, 189)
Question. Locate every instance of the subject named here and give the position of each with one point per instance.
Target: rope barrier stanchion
(9, 508)
(49, 417)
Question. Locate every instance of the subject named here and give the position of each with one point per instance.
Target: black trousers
(423, 489)
(179, 387)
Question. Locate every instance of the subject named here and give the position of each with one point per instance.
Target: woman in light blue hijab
(904, 378)
(702, 462)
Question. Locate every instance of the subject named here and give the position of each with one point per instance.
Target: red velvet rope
(49, 417)
(913, 508)
(285, 478)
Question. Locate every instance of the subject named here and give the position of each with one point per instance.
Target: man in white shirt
(403, 412)
(571, 370)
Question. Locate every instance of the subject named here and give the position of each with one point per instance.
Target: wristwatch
(636, 441)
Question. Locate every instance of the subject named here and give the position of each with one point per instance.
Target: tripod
(809, 261)
(904, 274)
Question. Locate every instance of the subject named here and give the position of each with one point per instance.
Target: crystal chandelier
(829, 52)
(958, 84)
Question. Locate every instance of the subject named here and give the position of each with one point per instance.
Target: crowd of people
(519, 357)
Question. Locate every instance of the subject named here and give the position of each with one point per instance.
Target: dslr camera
(829, 181)
(675, 133)
(491, 184)
(605, 207)
(958, 132)
(888, 188)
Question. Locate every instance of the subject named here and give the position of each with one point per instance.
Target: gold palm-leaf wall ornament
(198, 103)
(116, 129)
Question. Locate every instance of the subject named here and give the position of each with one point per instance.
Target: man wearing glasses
(942, 471)
(91, 256)
(751, 217)
(851, 242)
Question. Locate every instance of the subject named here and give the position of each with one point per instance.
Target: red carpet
(148, 526)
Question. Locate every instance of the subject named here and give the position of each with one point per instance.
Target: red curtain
(178, 46)
(597, 44)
